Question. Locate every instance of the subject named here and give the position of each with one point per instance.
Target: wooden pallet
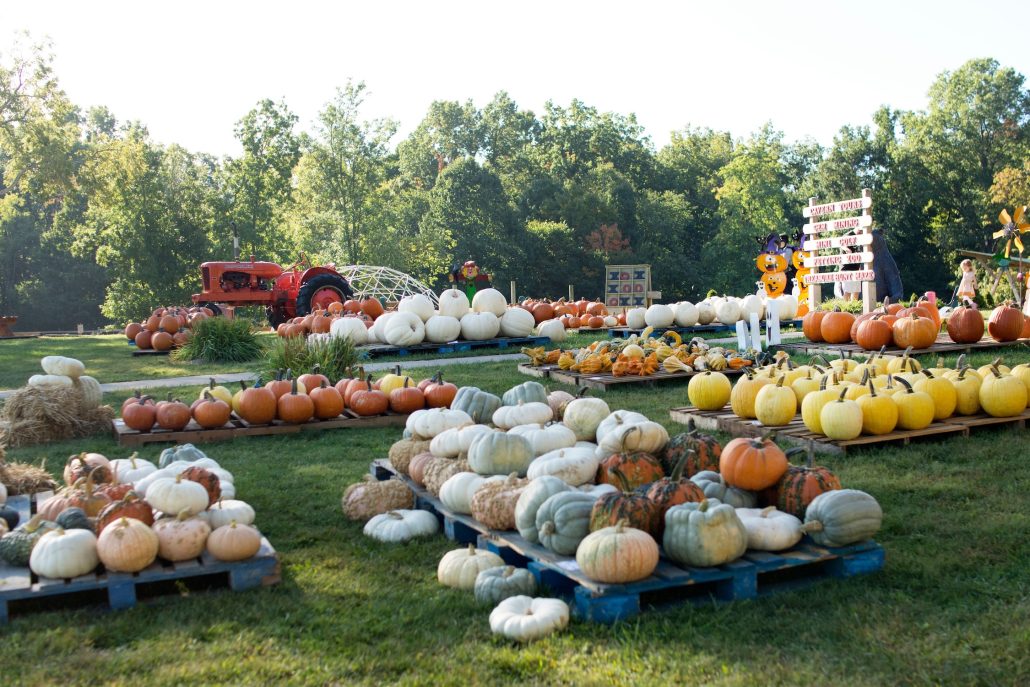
(453, 346)
(542, 371)
(795, 433)
(237, 427)
(758, 573)
(149, 351)
(626, 332)
(21, 588)
(943, 345)
(605, 381)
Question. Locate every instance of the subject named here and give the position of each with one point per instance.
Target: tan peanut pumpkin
(439, 470)
(403, 451)
(371, 497)
(493, 504)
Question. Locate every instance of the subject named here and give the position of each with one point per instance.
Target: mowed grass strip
(951, 607)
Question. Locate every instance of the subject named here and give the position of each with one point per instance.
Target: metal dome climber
(384, 283)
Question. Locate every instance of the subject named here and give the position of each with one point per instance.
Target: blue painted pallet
(757, 573)
(453, 346)
(21, 585)
(625, 332)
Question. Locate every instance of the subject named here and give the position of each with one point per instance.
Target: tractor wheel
(320, 291)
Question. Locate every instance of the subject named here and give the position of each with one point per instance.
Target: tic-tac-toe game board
(626, 286)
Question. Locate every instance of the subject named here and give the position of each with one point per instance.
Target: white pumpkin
(62, 366)
(769, 529)
(705, 313)
(176, 495)
(552, 329)
(546, 438)
(659, 315)
(785, 307)
(517, 322)
(459, 568)
(443, 328)
(611, 321)
(432, 421)
(523, 618)
(401, 525)
(227, 510)
(574, 466)
(616, 419)
(451, 443)
(456, 493)
(728, 312)
(529, 502)
(228, 489)
(3, 499)
(597, 490)
(404, 329)
(92, 394)
(61, 554)
(649, 437)
(636, 318)
(500, 453)
(533, 412)
(50, 381)
(751, 304)
(350, 328)
(376, 332)
(479, 326)
(686, 314)
(454, 303)
(132, 469)
(584, 415)
(491, 301)
(418, 304)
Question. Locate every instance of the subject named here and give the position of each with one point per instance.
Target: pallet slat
(605, 381)
(452, 346)
(746, 578)
(797, 434)
(943, 345)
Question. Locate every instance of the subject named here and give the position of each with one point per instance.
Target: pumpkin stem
(508, 571)
(703, 506)
(812, 526)
(961, 362)
(472, 549)
(623, 482)
(677, 471)
(581, 392)
(184, 514)
(243, 387)
(368, 381)
(904, 382)
(840, 399)
(395, 515)
(767, 511)
(927, 373)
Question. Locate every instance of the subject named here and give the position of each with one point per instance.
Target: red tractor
(285, 293)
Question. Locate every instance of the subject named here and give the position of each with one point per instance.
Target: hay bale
(39, 415)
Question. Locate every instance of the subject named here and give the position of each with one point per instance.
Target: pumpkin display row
(560, 470)
(844, 398)
(166, 328)
(641, 355)
(124, 513)
(915, 327)
(294, 401)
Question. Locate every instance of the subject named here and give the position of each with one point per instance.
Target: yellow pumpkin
(941, 390)
(879, 413)
(841, 419)
(1022, 371)
(812, 407)
(395, 380)
(904, 364)
(1002, 395)
(985, 370)
(744, 393)
(967, 391)
(915, 408)
(709, 390)
(776, 404)
(802, 386)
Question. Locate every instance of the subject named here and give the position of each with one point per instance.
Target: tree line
(101, 223)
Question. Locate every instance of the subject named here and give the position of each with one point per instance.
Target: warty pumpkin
(800, 484)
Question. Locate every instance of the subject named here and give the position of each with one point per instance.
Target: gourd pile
(62, 403)
(844, 398)
(915, 327)
(123, 514)
(641, 356)
(607, 487)
(418, 320)
(292, 401)
(166, 328)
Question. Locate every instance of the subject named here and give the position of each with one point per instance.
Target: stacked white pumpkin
(61, 372)
(186, 521)
(726, 310)
(417, 320)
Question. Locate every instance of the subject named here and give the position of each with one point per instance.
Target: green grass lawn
(951, 607)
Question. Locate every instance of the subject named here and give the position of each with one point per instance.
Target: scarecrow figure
(468, 278)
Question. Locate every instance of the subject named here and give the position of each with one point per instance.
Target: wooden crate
(541, 371)
(757, 573)
(795, 433)
(21, 588)
(237, 427)
(943, 345)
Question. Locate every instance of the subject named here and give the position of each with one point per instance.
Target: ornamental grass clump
(333, 355)
(220, 340)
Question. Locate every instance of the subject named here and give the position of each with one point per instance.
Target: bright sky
(189, 70)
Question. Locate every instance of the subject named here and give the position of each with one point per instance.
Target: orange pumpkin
(873, 333)
(774, 283)
(407, 399)
(637, 468)
(139, 416)
(811, 325)
(372, 307)
(597, 309)
(752, 464)
(965, 324)
(132, 329)
(1005, 323)
(295, 408)
(258, 405)
(542, 312)
(835, 327)
(771, 262)
(143, 339)
(915, 331)
(162, 340)
(369, 401)
(438, 393)
(595, 322)
(211, 412)
(328, 401)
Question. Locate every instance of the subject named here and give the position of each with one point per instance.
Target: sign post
(817, 239)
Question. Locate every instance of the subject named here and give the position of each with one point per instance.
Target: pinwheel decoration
(1012, 227)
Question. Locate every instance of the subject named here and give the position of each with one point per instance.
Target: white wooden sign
(860, 222)
(834, 277)
(841, 259)
(839, 242)
(863, 203)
